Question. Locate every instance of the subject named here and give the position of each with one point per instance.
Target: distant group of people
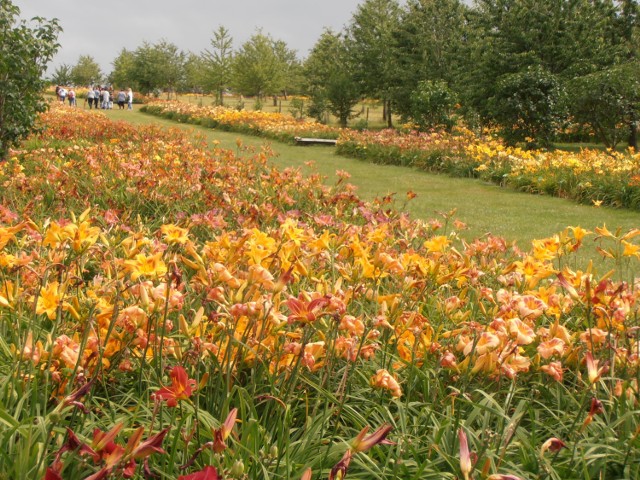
(104, 97)
(66, 94)
(97, 97)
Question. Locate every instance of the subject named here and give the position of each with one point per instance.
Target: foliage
(368, 40)
(261, 66)
(123, 70)
(428, 45)
(330, 81)
(432, 105)
(555, 41)
(218, 63)
(62, 75)
(528, 106)
(86, 72)
(156, 67)
(24, 54)
(608, 101)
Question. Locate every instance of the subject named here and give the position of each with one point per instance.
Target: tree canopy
(24, 54)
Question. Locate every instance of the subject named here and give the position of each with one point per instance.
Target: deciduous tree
(86, 71)
(368, 42)
(160, 66)
(24, 54)
(261, 66)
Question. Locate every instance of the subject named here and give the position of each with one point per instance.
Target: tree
(24, 54)
(369, 37)
(328, 79)
(194, 74)
(432, 105)
(218, 63)
(261, 65)
(550, 42)
(62, 75)
(428, 45)
(158, 67)
(608, 102)
(86, 71)
(122, 74)
(528, 105)
(291, 68)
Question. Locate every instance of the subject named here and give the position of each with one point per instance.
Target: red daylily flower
(379, 437)
(339, 470)
(181, 388)
(553, 445)
(207, 473)
(306, 311)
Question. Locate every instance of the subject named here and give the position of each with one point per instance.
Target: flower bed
(589, 176)
(275, 126)
(166, 310)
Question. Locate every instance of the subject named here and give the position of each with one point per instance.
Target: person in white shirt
(105, 99)
(130, 99)
(90, 97)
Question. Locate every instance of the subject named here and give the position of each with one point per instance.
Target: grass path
(483, 207)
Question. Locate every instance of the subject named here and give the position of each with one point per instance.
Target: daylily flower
(554, 370)
(49, 300)
(595, 408)
(383, 379)
(305, 311)
(222, 433)
(219, 437)
(593, 371)
(339, 470)
(465, 457)
(207, 473)
(149, 266)
(181, 387)
(553, 445)
(379, 437)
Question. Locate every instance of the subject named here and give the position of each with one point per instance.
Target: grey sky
(103, 29)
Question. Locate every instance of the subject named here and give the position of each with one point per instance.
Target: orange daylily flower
(594, 373)
(554, 370)
(465, 456)
(383, 379)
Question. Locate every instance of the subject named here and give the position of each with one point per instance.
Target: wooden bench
(315, 141)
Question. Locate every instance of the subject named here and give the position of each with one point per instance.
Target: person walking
(96, 97)
(105, 99)
(90, 97)
(130, 98)
(122, 97)
(72, 97)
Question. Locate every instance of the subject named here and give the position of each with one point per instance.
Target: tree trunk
(633, 135)
(389, 118)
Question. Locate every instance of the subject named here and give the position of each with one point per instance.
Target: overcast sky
(103, 29)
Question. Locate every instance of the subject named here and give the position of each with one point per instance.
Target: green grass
(485, 208)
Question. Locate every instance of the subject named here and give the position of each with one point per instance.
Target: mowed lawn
(485, 208)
